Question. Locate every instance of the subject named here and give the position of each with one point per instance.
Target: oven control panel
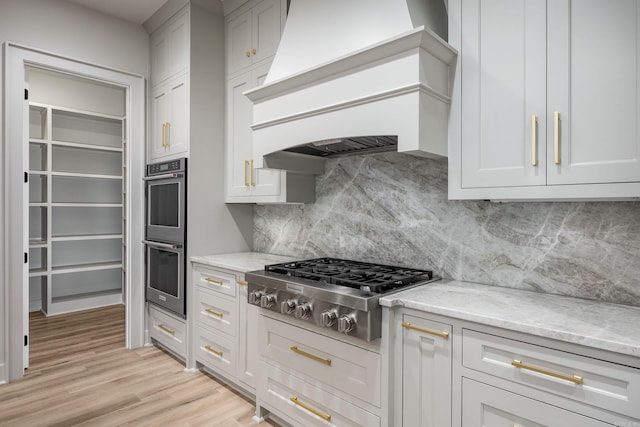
(177, 165)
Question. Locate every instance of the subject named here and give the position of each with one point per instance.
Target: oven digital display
(164, 167)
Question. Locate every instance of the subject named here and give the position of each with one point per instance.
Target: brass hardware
(168, 134)
(571, 378)
(534, 140)
(315, 412)
(210, 280)
(295, 349)
(167, 330)
(210, 349)
(214, 313)
(253, 182)
(248, 54)
(253, 51)
(164, 125)
(426, 331)
(246, 182)
(556, 137)
(242, 283)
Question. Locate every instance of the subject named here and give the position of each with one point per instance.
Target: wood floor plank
(80, 374)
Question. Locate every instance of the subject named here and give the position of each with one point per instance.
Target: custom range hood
(354, 77)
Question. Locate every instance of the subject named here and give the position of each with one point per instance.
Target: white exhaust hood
(355, 76)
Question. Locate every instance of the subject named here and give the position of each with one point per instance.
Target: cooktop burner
(374, 278)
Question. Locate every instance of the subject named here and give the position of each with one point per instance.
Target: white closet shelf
(86, 175)
(91, 114)
(86, 237)
(39, 173)
(86, 267)
(37, 243)
(39, 141)
(86, 295)
(85, 146)
(38, 204)
(83, 205)
(38, 272)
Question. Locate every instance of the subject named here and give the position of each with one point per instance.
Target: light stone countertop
(241, 261)
(590, 323)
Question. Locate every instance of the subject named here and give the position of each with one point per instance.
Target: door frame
(16, 60)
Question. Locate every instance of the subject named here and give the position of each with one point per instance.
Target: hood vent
(345, 69)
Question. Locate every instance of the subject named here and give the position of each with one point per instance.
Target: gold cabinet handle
(247, 53)
(253, 51)
(295, 349)
(168, 134)
(167, 330)
(214, 313)
(214, 281)
(246, 181)
(253, 182)
(534, 140)
(408, 325)
(556, 137)
(211, 350)
(164, 125)
(242, 283)
(571, 378)
(315, 412)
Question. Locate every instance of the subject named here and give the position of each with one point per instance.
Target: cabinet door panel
(266, 29)
(240, 112)
(159, 116)
(503, 86)
(159, 57)
(239, 42)
(594, 49)
(179, 123)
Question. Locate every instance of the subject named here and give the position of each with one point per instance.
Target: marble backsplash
(392, 208)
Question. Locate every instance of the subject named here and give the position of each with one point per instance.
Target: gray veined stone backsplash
(392, 208)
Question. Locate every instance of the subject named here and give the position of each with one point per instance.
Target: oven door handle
(163, 176)
(161, 245)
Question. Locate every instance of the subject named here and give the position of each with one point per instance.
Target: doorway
(57, 189)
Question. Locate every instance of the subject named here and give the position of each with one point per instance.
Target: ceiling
(136, 11)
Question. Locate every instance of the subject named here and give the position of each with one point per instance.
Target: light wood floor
(81, 374)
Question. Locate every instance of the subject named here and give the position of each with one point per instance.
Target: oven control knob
(288, 306)
(255, 297)
(329, 318)
(303, 311)
(268, 300)
(346, 323)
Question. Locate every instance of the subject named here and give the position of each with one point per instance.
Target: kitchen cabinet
(76, 208)
(225, 332)
(425, 371)
(550, 100)
(168, 330)
(253, 34)
(170, 118)
(169, 52)
(245, 183)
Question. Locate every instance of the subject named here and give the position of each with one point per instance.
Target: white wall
(63, 28)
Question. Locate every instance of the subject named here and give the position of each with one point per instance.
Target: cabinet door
(160, 68)
(178, 133)
(239, 42)
(159, 117)
(266, 30)
(248, 338)
(503, 72)
(426, 373)
(594, 70)
(240, 113)
(179, 44)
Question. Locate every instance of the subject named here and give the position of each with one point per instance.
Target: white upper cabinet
(170, 118)
(546, 102)
(169, 49)
(254, 35)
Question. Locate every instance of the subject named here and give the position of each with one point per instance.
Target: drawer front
(484, 405)
(215, 280)
(345, 367)
(217, 312)
(603, 384)
(215, 351)
(168, 330)
(308, 405)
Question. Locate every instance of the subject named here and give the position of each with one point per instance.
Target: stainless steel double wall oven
(166, 234)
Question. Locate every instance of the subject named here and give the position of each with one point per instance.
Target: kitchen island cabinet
(517, 357)
(550, 100)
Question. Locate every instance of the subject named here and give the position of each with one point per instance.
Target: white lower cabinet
(484, 405)
(224, 322)
(309, 378)
(168, 330)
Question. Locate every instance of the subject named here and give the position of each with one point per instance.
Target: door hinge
(26, 257)
(26, 340)
(26, 177)
(26, 94)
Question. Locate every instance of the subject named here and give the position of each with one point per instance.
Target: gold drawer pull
(214, 313)
(295, 349)
(408, 325)
(315, 412)
(210, 349)
(571, 378)
(556, 138)
(210, 280)
(534, 140)
(242, 283)
(167, 330)
(246, 181)
(253, 181)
